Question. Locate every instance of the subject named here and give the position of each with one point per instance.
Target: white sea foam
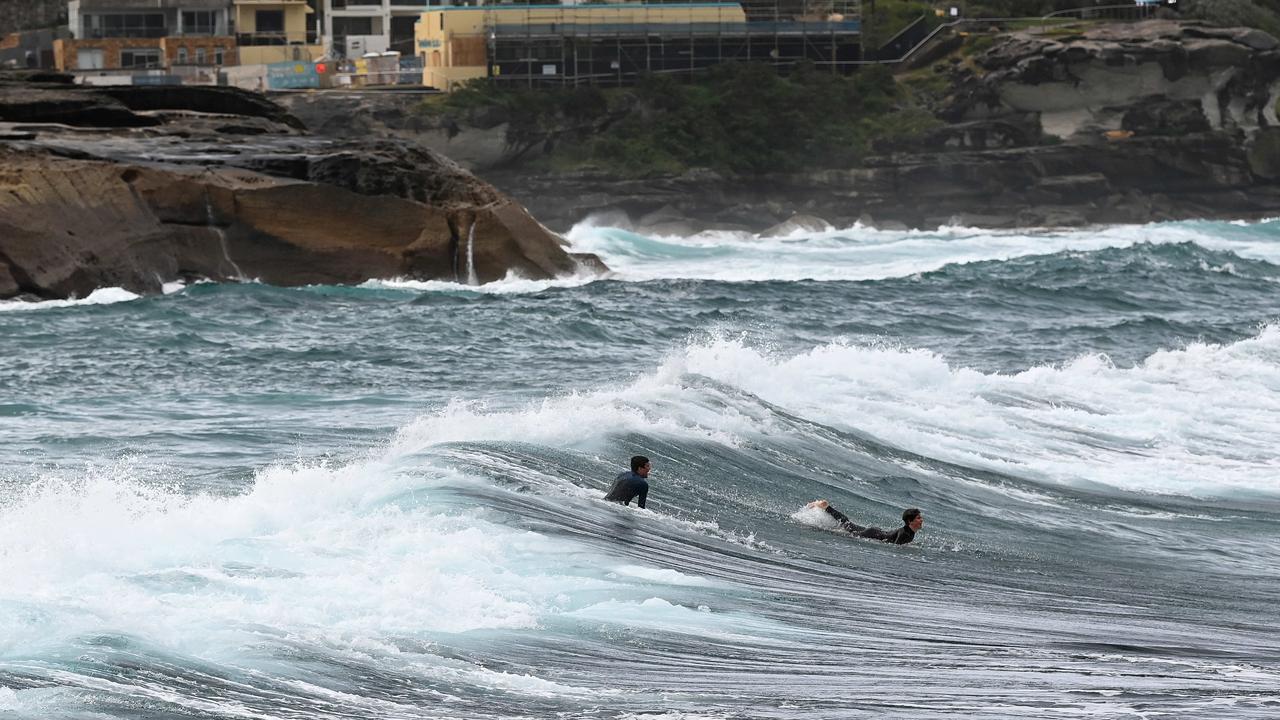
(652, 404)
(860, 253)
(676, 715)
(659, 614)
(1199, 421)
(510, 285)
(816, 518)
(658, 405)
(101, 296)
(664, 576)
(322, 553)
(316, 553)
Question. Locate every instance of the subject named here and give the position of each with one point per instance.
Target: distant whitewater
(242, 501)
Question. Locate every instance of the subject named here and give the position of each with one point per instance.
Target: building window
(199, 22)
(140, 25)
(140, 58)
(200, 56)
(218, 56)
(344, 26)
(270, 21)
(182, 56)
(89, 59)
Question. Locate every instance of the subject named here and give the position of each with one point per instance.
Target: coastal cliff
(1087, 123)
(1115, 123)
(135, 187)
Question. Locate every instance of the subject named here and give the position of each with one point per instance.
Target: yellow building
(568, 44)
(273, 31)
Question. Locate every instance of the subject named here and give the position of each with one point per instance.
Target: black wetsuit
(629, 485)
(901, 536)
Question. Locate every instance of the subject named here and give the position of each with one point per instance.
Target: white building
(353, 28)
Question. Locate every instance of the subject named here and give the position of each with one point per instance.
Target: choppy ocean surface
(241, 501)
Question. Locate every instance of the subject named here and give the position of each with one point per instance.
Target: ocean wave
(101, 296)
(442, 548)
(1192, 421)
(473, 548)
(513, 284)
(860, 253)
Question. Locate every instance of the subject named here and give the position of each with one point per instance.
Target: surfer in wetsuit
(912, 521)
(632, 484)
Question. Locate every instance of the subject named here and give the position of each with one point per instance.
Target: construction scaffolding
(565, 46)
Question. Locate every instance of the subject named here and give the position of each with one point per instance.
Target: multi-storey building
(353, 28)
(616, 43)
(133, 35)
(143, 34)
(270, 31)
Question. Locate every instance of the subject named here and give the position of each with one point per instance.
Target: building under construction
(616, 43)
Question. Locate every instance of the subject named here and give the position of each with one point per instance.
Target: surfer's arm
(845, 523)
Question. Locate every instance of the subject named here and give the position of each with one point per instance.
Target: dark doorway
(402, 35)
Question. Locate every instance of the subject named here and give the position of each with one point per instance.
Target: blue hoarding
(292, 76)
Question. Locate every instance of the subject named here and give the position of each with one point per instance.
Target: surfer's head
(912, 518)
(640, 465)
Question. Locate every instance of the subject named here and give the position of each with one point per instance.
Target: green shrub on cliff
(883, 19)
(1027, 8)
(739, 118)
(1261, 14)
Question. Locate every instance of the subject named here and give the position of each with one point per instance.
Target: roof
(592, 6)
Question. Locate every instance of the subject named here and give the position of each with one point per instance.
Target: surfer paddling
(912, 521)
(632, 485)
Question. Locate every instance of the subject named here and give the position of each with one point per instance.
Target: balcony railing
(106, 33)
(277, 38)
(148, 33)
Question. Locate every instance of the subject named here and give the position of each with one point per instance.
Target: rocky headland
(1096, 123)
(138, 186)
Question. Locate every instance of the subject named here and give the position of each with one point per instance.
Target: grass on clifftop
(740, 118)
(882, 19)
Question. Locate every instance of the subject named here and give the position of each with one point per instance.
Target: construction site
(616, 43)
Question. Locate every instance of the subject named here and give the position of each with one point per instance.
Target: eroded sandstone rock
(1075, 83)
(221, 184)
(69, 226)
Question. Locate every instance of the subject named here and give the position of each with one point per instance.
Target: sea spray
(471, 255)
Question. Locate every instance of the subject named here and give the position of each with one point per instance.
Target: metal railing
(675, 29)
(147, 33)
(1130, 11)
(125, 33)
(906, 38)
(277, 38)
(1127, 12)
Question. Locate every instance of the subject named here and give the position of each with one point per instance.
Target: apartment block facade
(353, 28)
(141, 35)
(271, 31)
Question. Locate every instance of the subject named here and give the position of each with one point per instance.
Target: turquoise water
(383, 501)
